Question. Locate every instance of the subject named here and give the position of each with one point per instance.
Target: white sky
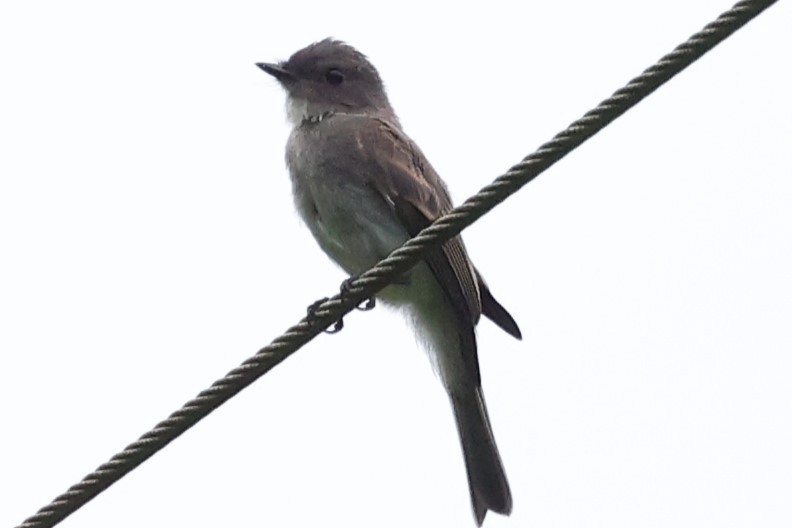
(149, 245)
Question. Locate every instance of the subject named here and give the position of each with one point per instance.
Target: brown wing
(409, 184)
(453, 265)
(418, 197)
(447, 263)
(490, 307)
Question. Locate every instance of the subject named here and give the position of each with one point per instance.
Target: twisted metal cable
(446, 227)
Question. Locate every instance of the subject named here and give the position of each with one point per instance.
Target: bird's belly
(352, 225)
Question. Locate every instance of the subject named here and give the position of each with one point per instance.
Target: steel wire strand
(396, 263)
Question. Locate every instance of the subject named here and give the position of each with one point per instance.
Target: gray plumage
(364, 188)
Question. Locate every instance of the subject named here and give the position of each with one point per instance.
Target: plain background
(149, 245)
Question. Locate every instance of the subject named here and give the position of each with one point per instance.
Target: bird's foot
(337, 326)
(366, 305)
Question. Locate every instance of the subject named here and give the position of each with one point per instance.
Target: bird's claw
(337, 326)
(366, 305)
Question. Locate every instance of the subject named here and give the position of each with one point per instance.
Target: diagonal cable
(395, 264)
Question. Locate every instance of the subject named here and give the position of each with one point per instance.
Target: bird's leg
(337, 326)
(367, 305)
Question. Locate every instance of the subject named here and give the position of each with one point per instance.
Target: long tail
(489, 489)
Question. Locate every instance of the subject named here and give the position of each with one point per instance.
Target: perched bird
(364, 188)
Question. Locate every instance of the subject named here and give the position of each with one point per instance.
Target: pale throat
(299, 111)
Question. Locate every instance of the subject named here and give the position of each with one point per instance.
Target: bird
(363, 188)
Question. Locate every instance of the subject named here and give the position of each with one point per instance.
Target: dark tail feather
(494, 311)
(489, 489)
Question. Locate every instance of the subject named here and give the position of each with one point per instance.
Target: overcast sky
(148, 245)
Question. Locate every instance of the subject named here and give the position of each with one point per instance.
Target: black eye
(334, 77)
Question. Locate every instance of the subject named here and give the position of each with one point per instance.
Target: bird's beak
(277, 71)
